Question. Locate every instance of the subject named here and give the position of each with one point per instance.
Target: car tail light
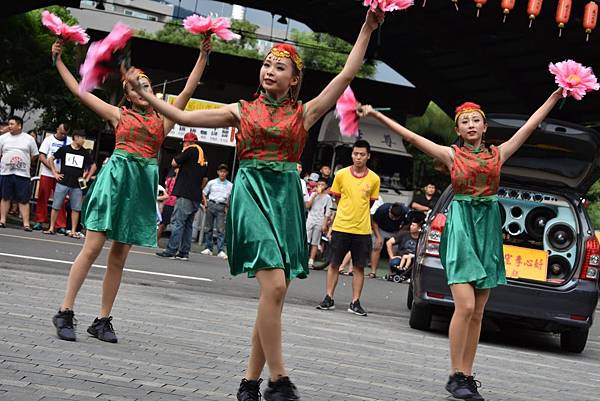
(434, 235)
(591, 262)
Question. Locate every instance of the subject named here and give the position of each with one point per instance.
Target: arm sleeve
(375, 189)
(44, 147)
(181, 158)
(206, 189)
(33, 149)
(336, 188)
(59, 154)
(328, 207)
(87, 159)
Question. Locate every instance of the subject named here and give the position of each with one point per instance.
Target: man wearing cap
(76, 168)
(215, 198)
(188, 190)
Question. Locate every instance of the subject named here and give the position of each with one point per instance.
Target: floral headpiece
(285, 50)
(139, 73)
(468, 107)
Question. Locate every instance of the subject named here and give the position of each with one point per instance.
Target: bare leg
(112, 278)
(92, 246)
(4, 206)
(346, 262)
(74, 221)
(358, 281)
(24, 208)
(313, 252)
(53, 217)
(464, 307)
(481, 298)
(333, 273)
(273, 288)
(159, 231)
(375, 256)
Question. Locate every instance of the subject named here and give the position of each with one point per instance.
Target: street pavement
(184, 331)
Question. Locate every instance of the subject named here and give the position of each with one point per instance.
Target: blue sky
(264, 18)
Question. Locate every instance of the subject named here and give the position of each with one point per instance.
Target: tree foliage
(593, 196)
(29, 80)
(324, 52)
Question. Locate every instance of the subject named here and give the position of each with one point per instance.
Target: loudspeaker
(536, 221)
(525, 217)
(558, 267)
(560, 241)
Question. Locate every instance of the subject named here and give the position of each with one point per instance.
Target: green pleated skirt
(266, 227)
(471, 244)
(122, 200)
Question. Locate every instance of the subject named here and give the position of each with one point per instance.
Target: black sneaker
(165, 254)
(459, 387)
(249, 390)
(65, 323)
(356, 308)
(473, 385)
(326, 304)
(182, 257)
(281, 390)
(102, 329)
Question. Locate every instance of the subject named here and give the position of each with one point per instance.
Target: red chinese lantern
(534, 7)
(590, 18)
(479, 4)
(455, 4)
(563, 13)
(507, 6)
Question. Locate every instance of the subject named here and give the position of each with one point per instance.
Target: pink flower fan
(95, 69)
(206, 26)
(388, 5)
(345, 109)
(56, 26)
(575, 79)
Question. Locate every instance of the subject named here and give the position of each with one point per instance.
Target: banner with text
(218, 136)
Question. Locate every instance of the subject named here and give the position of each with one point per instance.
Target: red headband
(467, 107)
(286, 50)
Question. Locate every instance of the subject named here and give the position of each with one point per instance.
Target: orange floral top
(140, 133)
(476, 171)
(271, 130)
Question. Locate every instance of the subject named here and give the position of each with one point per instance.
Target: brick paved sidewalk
(185, 345)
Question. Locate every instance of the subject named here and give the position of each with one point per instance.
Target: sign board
(525, 263)
(218, 136)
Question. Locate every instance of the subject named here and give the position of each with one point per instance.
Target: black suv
(551, 254)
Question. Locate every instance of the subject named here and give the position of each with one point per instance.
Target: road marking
(104, 267)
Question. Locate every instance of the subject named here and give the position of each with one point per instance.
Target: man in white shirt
(215, 198)
(47, 181)
(17, 149)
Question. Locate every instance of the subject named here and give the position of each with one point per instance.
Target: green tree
(321, 51)
(593, 196)
(28, 79)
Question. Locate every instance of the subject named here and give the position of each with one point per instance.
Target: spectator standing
(47, 181)
(302, 182)
(188, 190)
(319, 211)
(215, 198)
(357, 188)
(387, 221)
(77, 166)
(426, 201)
(169, 203)
(17, 150)
(325, 174)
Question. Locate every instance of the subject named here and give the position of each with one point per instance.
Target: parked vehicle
(389, 158)
(552, 254)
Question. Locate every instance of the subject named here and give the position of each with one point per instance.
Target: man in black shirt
(426, 201)
(405, 243)
(191, 179)
(386, 222)
(77, 167)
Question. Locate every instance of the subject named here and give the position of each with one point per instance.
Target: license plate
(525, 263)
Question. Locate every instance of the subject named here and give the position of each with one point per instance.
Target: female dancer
(266, 237)
(471, 244)
(123, 195)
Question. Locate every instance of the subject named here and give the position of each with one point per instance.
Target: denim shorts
(75, 197)
(15, 188)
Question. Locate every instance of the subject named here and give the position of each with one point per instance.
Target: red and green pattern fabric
(476, 171)
(271, 130)
(139, 133)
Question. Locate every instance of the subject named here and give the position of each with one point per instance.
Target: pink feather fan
(575, 79)
(71, 33)
(95, 68)
(199, 25)
(388, 5)
(345, 109)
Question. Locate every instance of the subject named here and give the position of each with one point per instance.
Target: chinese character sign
(525, 263)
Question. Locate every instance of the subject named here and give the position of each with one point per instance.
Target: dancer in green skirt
(121, 204)
(471, 244)
(266, 235)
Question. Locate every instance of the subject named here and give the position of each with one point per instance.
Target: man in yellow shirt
(355, 188)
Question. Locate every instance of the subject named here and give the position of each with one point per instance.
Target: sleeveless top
(475, 171)
(271, 130)
(139, 133)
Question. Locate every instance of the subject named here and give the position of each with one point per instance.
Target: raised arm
(104, 110)
(226, 116)
(192, 81)
(442, 153)
(509, 147)
(317, 107)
